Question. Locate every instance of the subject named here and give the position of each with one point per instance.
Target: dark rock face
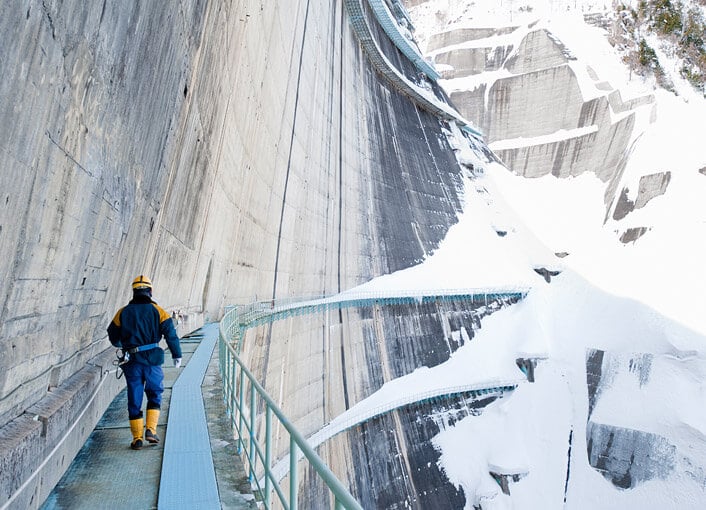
(546, 273)
(628, 457)
(633, 234)
(594, 372)
(624, 206)
(650, 186)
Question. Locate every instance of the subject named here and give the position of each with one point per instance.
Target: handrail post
(268, 454)
(232, 370)
(253, 452)
(293, 479)
(241, 398)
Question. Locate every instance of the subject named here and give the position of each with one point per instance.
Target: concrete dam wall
(228, 150)
(542, 111)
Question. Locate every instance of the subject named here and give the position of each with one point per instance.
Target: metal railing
(261, 312)
(391, 27)
(244, 396)
(345, 421)
(244, 421)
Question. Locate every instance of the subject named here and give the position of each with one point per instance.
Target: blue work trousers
(143, 379)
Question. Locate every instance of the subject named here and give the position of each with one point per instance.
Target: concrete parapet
(37, 447)
(546, 117)
(21, 446)
(469, 61)
(533, 104)
(573, 156)
(619, 105)
(59, 409)
(462, 35)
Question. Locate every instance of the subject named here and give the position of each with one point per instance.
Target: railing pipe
(253, 414)
(232, 333)
(241, 389)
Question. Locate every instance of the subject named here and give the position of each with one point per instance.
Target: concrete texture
(461, 35)
(37, 447)
(630, 457)
(227, 150)
(390, 461)
(541, 96)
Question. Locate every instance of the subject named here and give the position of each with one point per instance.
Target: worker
(137, 329)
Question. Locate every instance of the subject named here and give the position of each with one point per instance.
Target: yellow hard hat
(141, 282)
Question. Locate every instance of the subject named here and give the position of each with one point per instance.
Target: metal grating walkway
(188, 476)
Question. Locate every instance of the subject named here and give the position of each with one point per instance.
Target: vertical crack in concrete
(343, 362)
(330, 148)
(344, 381)
(340, 159)
(291, 149)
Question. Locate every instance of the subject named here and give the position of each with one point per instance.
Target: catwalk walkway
(195, 465)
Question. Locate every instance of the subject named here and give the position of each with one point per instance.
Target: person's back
(137, 329)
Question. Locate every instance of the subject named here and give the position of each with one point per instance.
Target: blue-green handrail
(242, 408)
(234, 374)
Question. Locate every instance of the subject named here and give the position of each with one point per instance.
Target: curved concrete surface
(230, 151)
(531, 105)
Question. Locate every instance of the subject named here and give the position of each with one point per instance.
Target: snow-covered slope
(616, 417)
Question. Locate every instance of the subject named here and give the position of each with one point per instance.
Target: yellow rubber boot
(151, 432)
(136, 429)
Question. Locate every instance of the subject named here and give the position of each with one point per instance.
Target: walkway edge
(188, 475)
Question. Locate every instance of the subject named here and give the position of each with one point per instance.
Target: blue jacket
(144, 322)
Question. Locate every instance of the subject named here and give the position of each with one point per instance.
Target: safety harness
(141, 348)
(123, 356)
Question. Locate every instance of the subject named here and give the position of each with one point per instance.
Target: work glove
(177, 362)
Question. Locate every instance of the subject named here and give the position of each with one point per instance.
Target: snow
(640, 301)
(562, 134)
(665, 267)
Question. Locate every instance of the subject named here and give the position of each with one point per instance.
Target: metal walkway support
(188, 477)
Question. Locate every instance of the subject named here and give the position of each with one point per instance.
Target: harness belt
(141, 348)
